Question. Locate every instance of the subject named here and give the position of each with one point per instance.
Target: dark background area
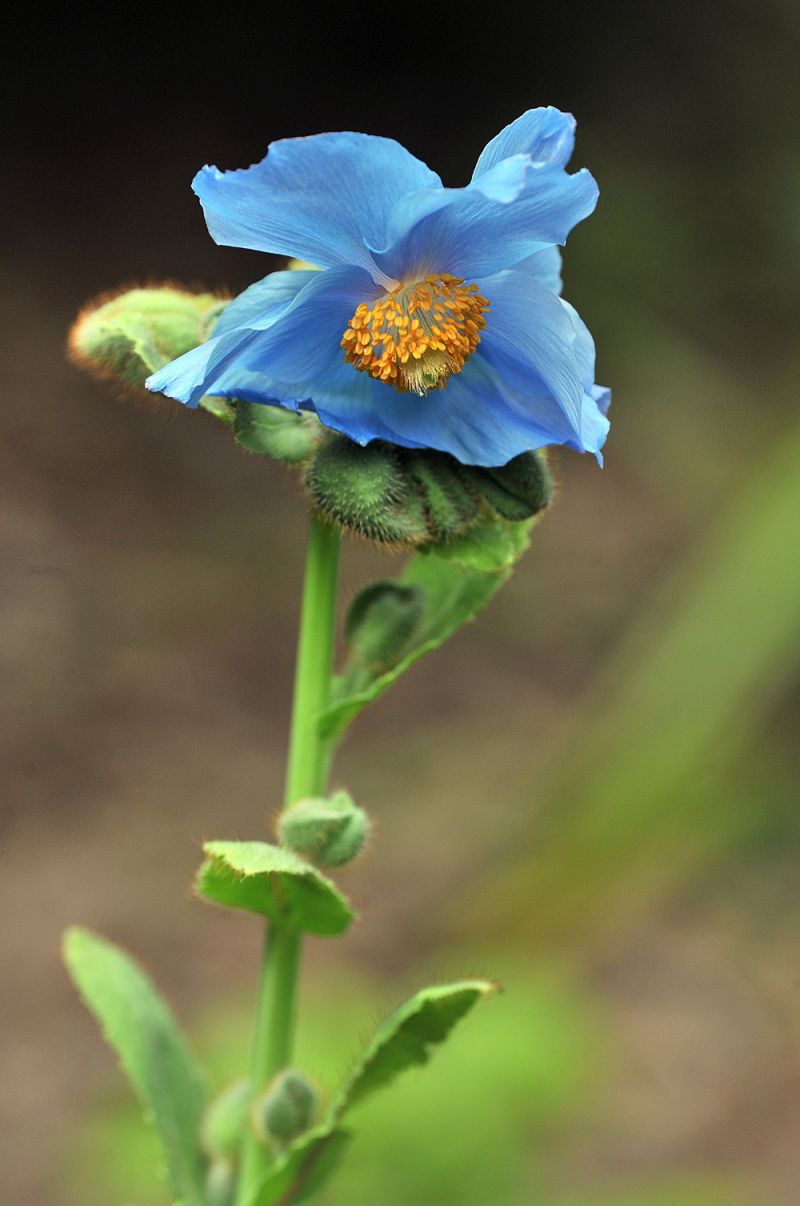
(150, 579)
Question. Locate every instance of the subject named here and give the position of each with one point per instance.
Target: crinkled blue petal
(547, 135)
(322, 199)
(293, 343)
(516, 208)
(262, 302)
(537, 342)
(545, 267)
(585, 357)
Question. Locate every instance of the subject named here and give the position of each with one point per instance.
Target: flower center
(418, 335)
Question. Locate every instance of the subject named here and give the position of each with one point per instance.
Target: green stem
(306, 775)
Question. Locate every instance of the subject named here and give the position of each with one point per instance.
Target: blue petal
(292, 344)
(479, 418)
(534, 340)
(544, 267)
(585, 357)
(321, 198)
(547, 135)
(262, 302)
(516, 208)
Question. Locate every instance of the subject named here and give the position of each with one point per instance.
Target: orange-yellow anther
(418, 335)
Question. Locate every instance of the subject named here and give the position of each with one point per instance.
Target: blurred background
(591, 793)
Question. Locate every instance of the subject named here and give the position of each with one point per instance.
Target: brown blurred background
(592, 792)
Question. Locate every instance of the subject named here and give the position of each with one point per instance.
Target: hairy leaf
(154, 1055)
(404, 1040)
(275, 882)
(303, 1168)
(407, 1036)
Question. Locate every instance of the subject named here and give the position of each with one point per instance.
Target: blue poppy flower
(435, 321)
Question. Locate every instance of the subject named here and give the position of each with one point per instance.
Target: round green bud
(450, 503)
(331, 832)
(286, 1109)
(220, 1183)
(225, 1120)
(381, 621)
(276, 432)
(127, 336)
(366, 491)
(518, 490)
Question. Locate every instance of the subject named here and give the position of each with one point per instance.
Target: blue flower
(436, 320)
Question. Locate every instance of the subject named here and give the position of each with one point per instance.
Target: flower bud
(517, 490)
(367, 491)
(225, 1119)
(276, 432)
(330, 832)
(449, 502)
(220, 1183)
(381, 621)
(286, 1109)
(127, 337)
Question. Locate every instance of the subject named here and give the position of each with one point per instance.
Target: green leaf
(456, 579)
(276, 432)
(303, 1168)
(274, 882)
(406, 1037)
(142, 1030)
(404, 1040)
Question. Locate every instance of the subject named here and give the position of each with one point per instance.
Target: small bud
(225, 1120)
(367, 491)
(381, 621)
(276, 432)
(220, 1183)
(286, 1109)
(330, 832)
(517, 490)
(451, 505)
(127, 337)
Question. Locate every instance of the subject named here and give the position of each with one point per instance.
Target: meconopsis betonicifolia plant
(413, 363)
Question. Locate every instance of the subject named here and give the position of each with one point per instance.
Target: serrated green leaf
(276, 432)
(456, 579)
(275, 882)
(303, 1168)
(407, 1036)
(154, 1055)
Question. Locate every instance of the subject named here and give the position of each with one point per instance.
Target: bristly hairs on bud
(286, 1109)
(329, 831)
(125, 335)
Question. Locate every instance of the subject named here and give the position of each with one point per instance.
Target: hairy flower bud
(286, 1109)
(367, 491)
(450, 504)
(273, 431)
(130, 335)
(517, 490)
(330, 832)
(381, 621)
(225, 1119)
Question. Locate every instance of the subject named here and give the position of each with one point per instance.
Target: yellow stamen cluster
(418, 335)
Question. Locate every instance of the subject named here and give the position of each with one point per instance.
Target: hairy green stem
(305, 776)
